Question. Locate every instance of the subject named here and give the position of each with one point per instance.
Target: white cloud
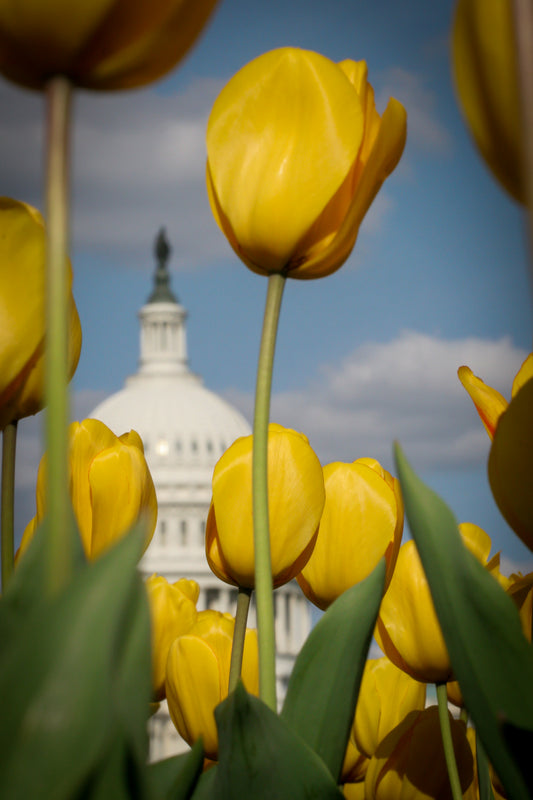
(138, 163)
(405, 390)
(424, 127)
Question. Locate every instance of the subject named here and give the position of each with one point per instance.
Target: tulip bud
(197, 676)
(409, 762)
(296, 500)
(110, 485)
(408, 630)
(386, 696)
(111, 45)
(362, 522)
(22, 312)
(486, 78)
(173, 613)
(296, 152)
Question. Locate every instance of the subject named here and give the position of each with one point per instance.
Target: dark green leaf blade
(490, 656)
(175, 778)
(261, 758)
(324, 684)
(57, 678)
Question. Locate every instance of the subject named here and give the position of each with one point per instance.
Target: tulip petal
(511, 464)
(488, 402)
(120, 488)
(486, 78)
(281, 139)
(523, 375)
(384, 156)
(156, 49)
(22, 273)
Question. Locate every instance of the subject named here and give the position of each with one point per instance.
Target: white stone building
(185, 429)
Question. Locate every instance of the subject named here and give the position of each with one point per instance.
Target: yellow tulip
(386, 696)
(409, 762)
(22, 312)
(408, 630)
(489, 403)
(354, 791)
(362, 522)
(110, 484)
(486, 78)
(296, 152)
(197, 676)
(355, 763)
(296, 500)
(511, 464)
(173, 613)
(97, 44)
(520, 590)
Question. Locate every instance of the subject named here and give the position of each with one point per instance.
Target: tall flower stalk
(59, 551)
(263, 572)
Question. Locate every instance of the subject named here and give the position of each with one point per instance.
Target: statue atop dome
(162, 293)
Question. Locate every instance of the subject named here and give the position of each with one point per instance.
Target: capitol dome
(185, 428)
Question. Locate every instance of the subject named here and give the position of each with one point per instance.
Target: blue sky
(438, 277)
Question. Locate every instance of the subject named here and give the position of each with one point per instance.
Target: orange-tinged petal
(489, 403)
(511, 464)
(382, 160)
(281, 139)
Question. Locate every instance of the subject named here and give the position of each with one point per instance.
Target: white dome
(181, 423)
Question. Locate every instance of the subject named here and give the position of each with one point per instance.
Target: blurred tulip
(296, 152)
(173, 613)
(296, 499)
(362, 522)
(355, 763)
(97, 45)
(110, 485)
(22, 312)
(197, 676)
(486, 78)
(409, 762)
(489, 403)
(520, 590)
(354, 791)
(511, 464)
(408, 630)
(386, 696)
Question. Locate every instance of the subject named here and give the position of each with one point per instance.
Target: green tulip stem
(446, 731)
(263, 570)
(9, 447)
(523, 31)
(237, 648)
(59, 551)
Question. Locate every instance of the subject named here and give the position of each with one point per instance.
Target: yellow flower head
(296, 500)
(22, 312)
(510, 425)
(386, 696)
(97, 44)
(409, 762)
(486, 78)
(110, 486)
(408, 630)
(296, 152)
(362, 522)
(197, 676)
(173, 612)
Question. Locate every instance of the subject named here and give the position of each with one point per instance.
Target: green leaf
(261, 758)
(324, 684)
(175, 778)
(28, 583)
(205, 787)
(491, 658)
(483, 775)
(59, 679)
